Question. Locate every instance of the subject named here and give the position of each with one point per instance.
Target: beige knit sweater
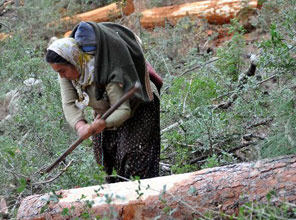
(73, 114)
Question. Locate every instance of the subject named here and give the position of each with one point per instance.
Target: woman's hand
(98, 126)
(85, 130)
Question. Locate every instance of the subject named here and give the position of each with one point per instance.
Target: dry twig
(199, 66)
(54, 178)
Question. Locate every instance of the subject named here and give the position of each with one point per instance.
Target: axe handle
(125, 97)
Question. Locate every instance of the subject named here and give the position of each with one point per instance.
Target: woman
(96, 66)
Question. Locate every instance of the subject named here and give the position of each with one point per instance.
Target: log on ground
(221, 189)
(215, 11)
(111, 11)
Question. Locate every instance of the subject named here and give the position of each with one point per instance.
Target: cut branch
(172, 126)
(206, 155)
(263, 122)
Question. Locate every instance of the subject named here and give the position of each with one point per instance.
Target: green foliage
(211, 162)
(276, 53)
(283, 133)
(196, 134)
(231, 62)
(273, 209)
(37, 132)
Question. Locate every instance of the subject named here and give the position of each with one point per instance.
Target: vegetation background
(214, 110)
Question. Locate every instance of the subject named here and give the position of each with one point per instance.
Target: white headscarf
(69, 50)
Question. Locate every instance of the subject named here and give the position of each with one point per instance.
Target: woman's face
(65, 70)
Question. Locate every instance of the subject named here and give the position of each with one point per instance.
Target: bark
(112, 11)
(222, 189)
(215, 11)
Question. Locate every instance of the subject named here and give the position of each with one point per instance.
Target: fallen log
(111, 11)
(190, 195)
(215, 11)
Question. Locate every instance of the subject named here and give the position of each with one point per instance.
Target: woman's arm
(72, 114)
(114, 93)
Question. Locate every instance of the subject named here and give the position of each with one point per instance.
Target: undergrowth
(197, 132)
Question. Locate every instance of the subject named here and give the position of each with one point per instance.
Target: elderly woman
(96, 66)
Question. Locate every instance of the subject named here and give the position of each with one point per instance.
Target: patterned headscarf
(69, 50)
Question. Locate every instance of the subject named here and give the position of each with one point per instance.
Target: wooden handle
(125, 97)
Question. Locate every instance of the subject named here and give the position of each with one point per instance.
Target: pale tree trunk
(220, 189)
(112, 11)
(215, 11)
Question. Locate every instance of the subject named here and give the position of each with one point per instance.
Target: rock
(32, 82)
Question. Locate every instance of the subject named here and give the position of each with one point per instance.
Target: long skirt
(133, 150)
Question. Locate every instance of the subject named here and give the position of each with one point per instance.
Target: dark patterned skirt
(134, 148)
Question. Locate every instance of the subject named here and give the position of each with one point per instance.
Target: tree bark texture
(220, 189)
(114, 10)
(215, 11)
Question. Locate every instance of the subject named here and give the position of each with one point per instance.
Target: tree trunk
(190, 195)
(215, 11)
(112, 11)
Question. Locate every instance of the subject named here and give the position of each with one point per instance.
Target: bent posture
(96, 66)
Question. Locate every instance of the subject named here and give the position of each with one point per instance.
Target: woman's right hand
(98, 125)
(85, 130)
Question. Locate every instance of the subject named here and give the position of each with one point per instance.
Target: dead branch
(170, 127)
(243, 79)
(221, 96)
(269, 78)
(263, 122)
(199, 66)
(54, 178)
(228, 103)
(205, 156)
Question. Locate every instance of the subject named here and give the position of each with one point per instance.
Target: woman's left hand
(98, 126)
